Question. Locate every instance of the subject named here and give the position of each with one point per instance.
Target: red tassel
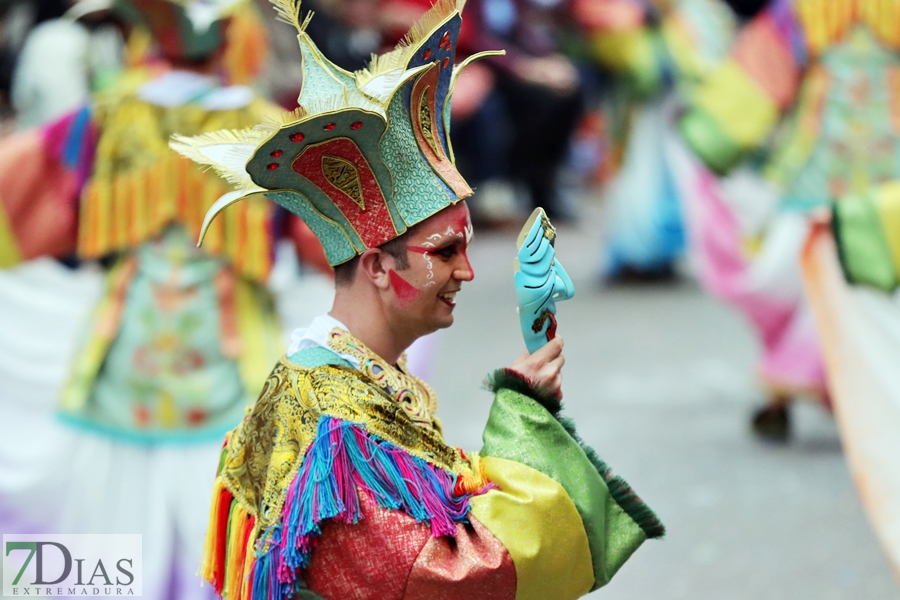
(222, 539)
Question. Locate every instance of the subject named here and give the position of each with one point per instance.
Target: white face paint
(433, 240)
(436, 239)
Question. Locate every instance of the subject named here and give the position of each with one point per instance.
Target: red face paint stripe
(404, 289)
(468, 264)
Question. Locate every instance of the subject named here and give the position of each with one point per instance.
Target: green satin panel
(864, 251)
(521, 430)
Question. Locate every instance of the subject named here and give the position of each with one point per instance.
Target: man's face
(438, 264)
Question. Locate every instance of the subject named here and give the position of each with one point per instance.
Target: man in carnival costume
(182, 338)
(339, 484)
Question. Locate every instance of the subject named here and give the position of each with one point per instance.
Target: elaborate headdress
(366, 155)
(184, 29)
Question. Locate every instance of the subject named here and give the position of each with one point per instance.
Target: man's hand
(544, 367)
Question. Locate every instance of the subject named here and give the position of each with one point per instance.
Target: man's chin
(443, 322)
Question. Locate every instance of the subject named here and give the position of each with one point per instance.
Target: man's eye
(446, 252)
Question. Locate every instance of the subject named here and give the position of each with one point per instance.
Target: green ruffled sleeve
(867, 232)
(525, 426)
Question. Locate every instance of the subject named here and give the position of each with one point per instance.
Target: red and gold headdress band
(366, 155)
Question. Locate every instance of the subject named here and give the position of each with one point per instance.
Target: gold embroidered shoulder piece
(414, 395)
(266, 450)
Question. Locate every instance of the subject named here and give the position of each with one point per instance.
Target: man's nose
(464, 272)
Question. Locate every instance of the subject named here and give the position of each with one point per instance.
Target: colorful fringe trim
(227, 555)
(342, 461)
(123, 210)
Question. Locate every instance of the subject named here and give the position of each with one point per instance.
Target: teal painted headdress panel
(366, 152)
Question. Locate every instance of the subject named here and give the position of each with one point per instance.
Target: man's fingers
(549, 351)
(544, 365)
(551, 367)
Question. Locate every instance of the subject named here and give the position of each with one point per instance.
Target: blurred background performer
(812, 83)
(851, 268)
(181, 339)
(655, 52)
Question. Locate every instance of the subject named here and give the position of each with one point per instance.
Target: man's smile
(449, 298)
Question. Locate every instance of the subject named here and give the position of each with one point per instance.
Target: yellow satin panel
(9, 247)
(887, 204)
(738, 104)
(539, 525)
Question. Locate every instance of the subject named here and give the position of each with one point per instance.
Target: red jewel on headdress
(446, 39)
(427, 54)
(356, 125)
(445, 63)
(272, 166)
(276, 154)
(329, 127)
(297, 137)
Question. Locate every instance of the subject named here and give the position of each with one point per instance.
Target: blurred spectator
(513, 115)
(347, 31)
(17, 18)
(61, 62)
(523, 127)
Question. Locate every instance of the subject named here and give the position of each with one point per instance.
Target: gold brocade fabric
(266, 451)
(414, 395)
(139, 185)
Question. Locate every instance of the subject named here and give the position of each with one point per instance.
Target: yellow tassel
(208, 564)
(236, 553)
(131, 197)
(256, 229)
(103, 216)
(249, 556)
(472, 480)
(86, 226)
(247, 49)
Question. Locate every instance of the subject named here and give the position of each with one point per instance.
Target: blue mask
(541, 281)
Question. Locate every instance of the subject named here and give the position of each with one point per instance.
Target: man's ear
(374, 264)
